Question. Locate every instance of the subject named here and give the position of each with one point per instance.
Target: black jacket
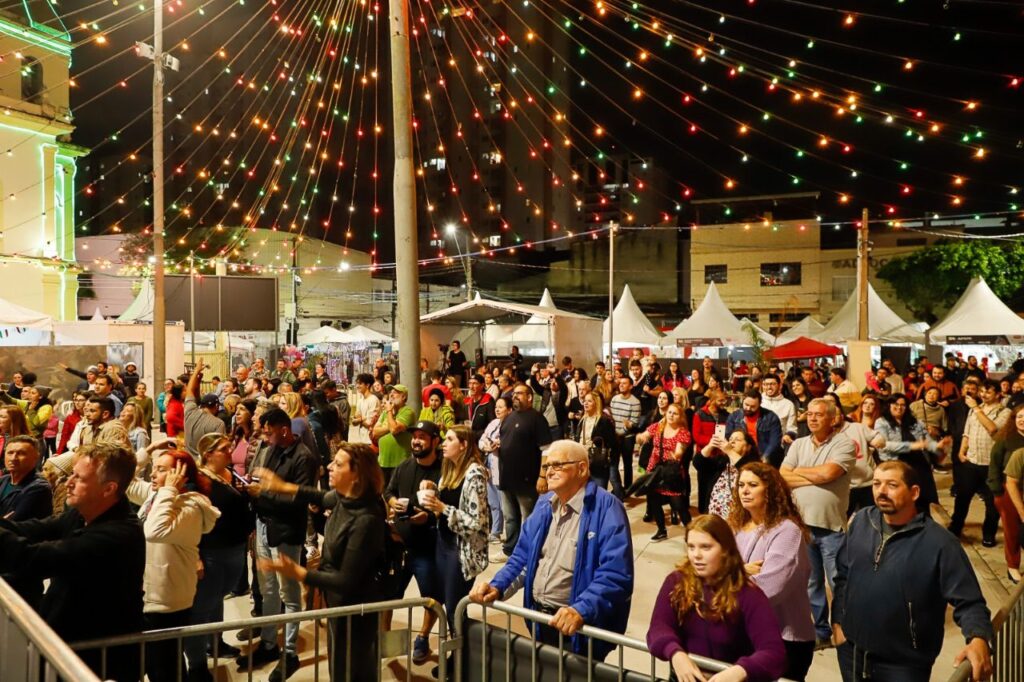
(523, 434)
(285, 521)
(890, 598)
(95, 574)
(353, 550)
(405, 481)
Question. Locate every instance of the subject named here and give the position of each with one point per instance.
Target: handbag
(669, 471)
(600, 455)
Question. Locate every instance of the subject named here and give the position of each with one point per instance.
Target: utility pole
(862, 277)
(611, 295)
(293, 324)
(406, 245)
(159, 311)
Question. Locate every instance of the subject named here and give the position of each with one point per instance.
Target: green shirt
(395, 449)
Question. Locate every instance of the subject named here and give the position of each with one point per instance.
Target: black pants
(677, 503)
(165, 661)
(353, 651)
(859, 499)
(620, 482)
(974, 481)
(799, 656)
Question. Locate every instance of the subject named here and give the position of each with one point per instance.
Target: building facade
(37, 163)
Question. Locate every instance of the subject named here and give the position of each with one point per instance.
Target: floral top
(664, 450)
(470, 522)
(721, 493)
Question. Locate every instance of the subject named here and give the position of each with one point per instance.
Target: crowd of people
(283, 485)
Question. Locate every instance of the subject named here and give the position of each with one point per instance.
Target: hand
(642, 438)
(838, 636)
(200, 569)
(433, 504)
(980, 657)
(787, 439)
(685, 669)
(566, 620)
(962, 456)
(628, 424)
(970, 401)
(419, 518)
(754, 567)
(484, 593)
(62, 365)
(733, 673)
(269, 481)
(162, 445)
(285, 566)
(175, 476)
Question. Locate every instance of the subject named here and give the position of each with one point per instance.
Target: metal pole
(862, 278)
(406, 245)
(192, 302)
(469, 271)
(294, 324)
(159, 311)
(611, 296)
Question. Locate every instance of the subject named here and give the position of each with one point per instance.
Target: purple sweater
(784, 575)
(749, 639)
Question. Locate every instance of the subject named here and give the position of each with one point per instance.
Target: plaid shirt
(979, 442)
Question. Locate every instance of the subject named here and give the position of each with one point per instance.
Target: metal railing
(478, 639)
(30, 650)
(253, 625)
(1008, 654)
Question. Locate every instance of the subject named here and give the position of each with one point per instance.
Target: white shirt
(783, 408)
(366, 407)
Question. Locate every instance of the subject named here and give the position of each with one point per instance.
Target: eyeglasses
(558, 466)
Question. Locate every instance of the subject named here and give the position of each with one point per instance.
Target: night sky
(943, 71)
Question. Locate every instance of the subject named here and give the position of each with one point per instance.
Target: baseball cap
(398, 387)
(210, 400)
(427, 427)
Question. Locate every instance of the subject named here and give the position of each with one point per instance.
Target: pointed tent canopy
(481, 310)
(806, 327)
(545, 302)
(802, 348)
(141, 309)
(713, 324)
(632, 328)
(14, 315)
(97, 316)
(883, 323)
(325, 335)
(978, 317)
(367, 335)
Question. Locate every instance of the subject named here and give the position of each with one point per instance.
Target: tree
(931, 279)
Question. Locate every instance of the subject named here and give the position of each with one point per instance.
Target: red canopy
(803, 347)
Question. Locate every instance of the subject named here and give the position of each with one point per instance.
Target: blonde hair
(454, 472)
(292, 404)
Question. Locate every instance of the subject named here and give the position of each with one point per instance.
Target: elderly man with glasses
(574, 556)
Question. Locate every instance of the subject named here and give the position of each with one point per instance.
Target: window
(719, 274)
(32, 80)
(780, 274)
(494, 240)
(843, 286)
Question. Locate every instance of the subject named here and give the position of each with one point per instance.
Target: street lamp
(451, 229)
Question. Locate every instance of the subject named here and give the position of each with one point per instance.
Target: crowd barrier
(30, 651)
(385, 640)
(1008, 654)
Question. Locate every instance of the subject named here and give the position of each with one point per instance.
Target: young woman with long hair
(868, 412)
(907, 439)
(670, 440)
(801, 397)
(771, 538)
(12, 423)
(674, 377)
(710, 607)
(132, 420)
(463, 517)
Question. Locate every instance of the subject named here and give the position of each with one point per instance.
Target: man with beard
(523, 435)
(763, 425)
(889, 606)
(417, 527)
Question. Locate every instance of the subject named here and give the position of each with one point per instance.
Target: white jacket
(173, 526)
(784, 409)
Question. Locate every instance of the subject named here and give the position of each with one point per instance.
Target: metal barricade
(30, 650)
(1008, 653)
(520, 657)
(255, 624)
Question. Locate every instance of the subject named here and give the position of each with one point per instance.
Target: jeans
(974, 481)
(822, 551)
(222, 567)
(620, 482)
(275, 588)
(515, 506)
(856, 665)
(422, 565)
(494, 502)
(449, 573)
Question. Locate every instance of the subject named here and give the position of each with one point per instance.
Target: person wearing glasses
(574, 556)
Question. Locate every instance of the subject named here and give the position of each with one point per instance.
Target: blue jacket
(602, 585)
(891, 597)
(769, 432)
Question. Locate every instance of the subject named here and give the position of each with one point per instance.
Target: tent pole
(862, 278)
(611, 295)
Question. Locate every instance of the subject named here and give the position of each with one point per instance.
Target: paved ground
(653, 562)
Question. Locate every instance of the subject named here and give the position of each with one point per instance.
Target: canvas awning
(481, 310)
(367, 335)
(325, 334)
(806, 327)
(20, 317)
(803, 348)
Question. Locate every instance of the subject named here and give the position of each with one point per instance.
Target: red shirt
(175, 417)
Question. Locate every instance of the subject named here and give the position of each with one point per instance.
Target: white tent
(97, 316)
(806, 327)
(208, 341)
(713, 324)
(141, 309)
(883, 324)
(978, 317)
(632, 328)
(367, 335)
(16, 316)
(326, 335)
(545, 302)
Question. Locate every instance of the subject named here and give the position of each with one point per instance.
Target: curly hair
(779, 504)
(688, 594)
